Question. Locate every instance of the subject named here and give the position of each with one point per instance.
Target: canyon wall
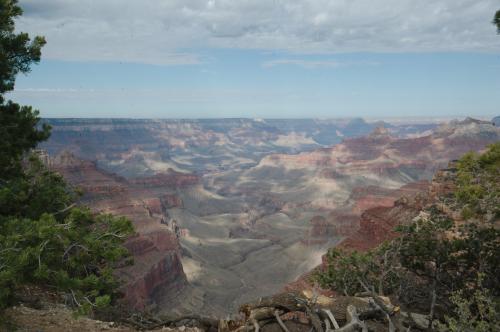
(155, 248)
(227, 211)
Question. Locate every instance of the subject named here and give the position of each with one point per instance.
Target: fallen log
(262, 313)
(289, 302)
(345, 313)
(284, 301)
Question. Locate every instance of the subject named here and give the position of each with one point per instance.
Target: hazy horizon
(423, 119)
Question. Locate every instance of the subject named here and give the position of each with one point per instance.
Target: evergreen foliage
(17, 50)
(476, 312)
(19, 124)
(351, 272)
(478, 188)
(344, 270)
(44, 238)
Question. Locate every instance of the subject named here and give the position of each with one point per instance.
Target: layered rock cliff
(155, 248)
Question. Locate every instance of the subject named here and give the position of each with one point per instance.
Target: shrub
(45, 243)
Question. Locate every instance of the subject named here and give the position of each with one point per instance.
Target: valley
(227, 211)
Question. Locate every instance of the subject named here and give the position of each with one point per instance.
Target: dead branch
(42, 246)
(69, 207)
(223, 326)
(354, 323)
(315, 320)
(376, 299)
(332, 318)
(74, 298)
(327, 325)
(75, 245)
(111, 234)
(90, 302)
(325, 312)
(255, 325)
(283, 326)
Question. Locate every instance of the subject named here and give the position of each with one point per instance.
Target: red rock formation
(377, 223)
(343, 224)
(85, 175)
(164, 276)
(368, 197)
(157, 266)
(335, 224)
(382, 156)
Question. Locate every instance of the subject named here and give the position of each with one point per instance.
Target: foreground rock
(61, 319)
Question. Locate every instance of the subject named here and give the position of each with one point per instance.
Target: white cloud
(171, 32)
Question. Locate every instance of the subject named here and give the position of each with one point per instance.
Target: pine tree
(45, 239)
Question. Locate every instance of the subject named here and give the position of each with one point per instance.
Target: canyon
(229, 210)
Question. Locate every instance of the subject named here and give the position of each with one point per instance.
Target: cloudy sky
(263, 58)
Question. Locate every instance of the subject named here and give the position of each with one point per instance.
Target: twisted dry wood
(280, 322)
(345, 313)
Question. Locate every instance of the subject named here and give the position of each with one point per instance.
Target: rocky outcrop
(334, 224)
(164, 277)
(85, 175)
(377, 224)
(158, 206)
(364, 198)
(157, 267)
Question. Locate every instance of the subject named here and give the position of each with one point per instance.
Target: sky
(263, 58)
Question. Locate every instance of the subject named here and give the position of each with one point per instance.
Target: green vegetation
(433, 266)
(476, 312)
(45, 240)
(478, 188)
(349, 273)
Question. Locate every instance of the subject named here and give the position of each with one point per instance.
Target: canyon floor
(228, 211)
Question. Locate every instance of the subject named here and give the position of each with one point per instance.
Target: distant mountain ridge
(143, 147)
